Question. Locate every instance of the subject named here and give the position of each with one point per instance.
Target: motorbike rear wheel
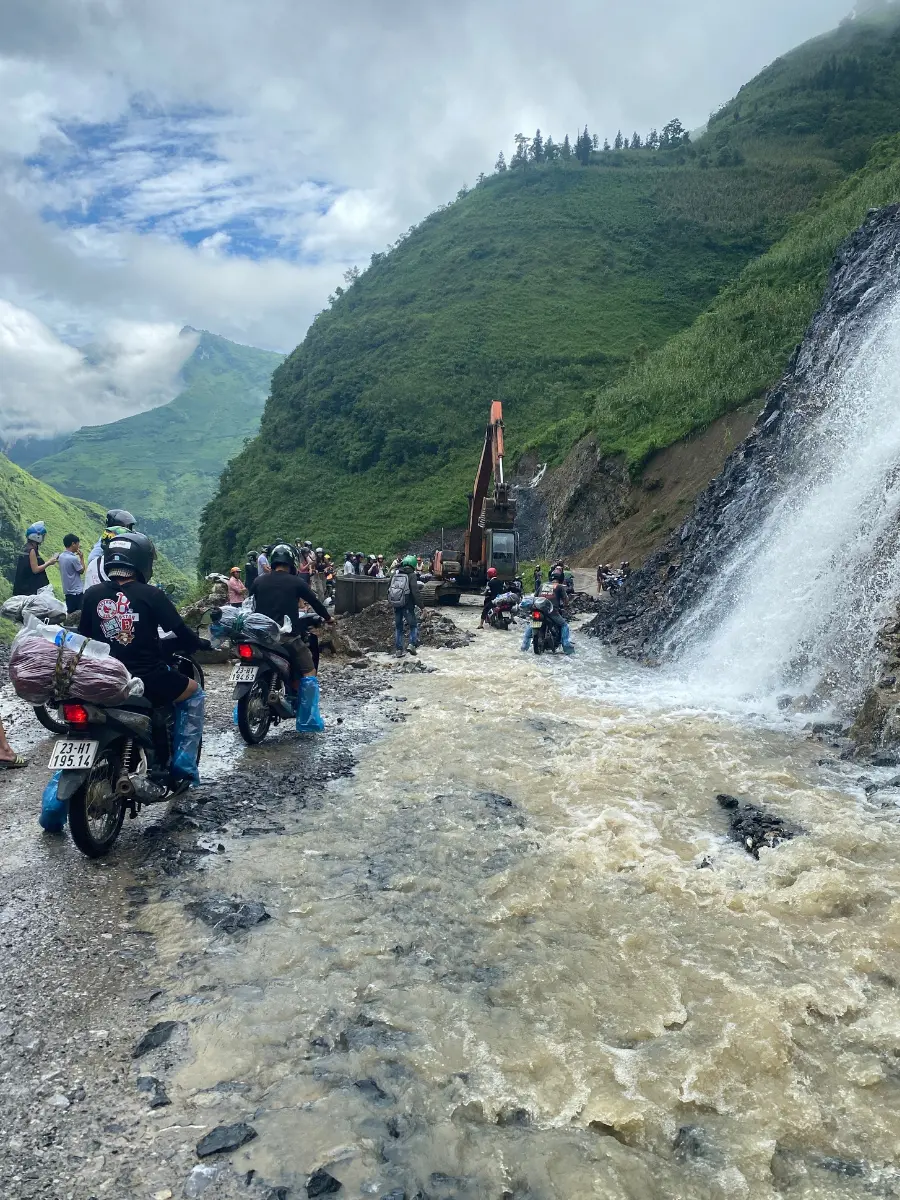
(537, 641)
(44, 714)
(253, 713)
(95, 811)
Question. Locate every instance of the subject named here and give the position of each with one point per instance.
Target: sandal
(13, 764)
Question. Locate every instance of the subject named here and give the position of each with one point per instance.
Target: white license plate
(73, 756)
(243, 674)
(536, 624)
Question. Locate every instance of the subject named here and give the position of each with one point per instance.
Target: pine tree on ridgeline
(551, 150)
(537, 148)
(520, 158)
(566, 152)
(636, 141)
(500, 164)
(606, 146)
(584, 148)
(620, 141)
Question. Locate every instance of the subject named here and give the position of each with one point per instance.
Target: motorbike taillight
(75, 714)
(245, 651)
(537, 616)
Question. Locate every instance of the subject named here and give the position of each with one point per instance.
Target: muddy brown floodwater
(515, 953)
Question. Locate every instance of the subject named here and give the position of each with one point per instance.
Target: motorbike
(115, 759)
(502, 613)
(546, 637)
(262, 679)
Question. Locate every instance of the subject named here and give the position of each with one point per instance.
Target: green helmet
(409, 561)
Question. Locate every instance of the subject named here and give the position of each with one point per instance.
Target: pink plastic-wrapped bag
(38, 669)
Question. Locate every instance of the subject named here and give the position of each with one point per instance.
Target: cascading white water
(799, 604)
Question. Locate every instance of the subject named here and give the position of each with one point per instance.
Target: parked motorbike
(262, 681)
(546, 637)
(115, 759)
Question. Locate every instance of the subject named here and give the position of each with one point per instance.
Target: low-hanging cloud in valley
(48, 387)
(221, 163)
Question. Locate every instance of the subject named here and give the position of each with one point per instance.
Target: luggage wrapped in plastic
(12, 608)
(511, 598)
(43, 606)
(526, 603)
(236, 622)
(47, 661)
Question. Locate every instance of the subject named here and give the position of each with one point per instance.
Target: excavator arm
(491, 465)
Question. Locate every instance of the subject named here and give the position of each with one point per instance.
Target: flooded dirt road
(515, 953)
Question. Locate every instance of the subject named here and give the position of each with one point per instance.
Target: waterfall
(803, 590)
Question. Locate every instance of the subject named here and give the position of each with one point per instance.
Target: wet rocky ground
(84, 1112)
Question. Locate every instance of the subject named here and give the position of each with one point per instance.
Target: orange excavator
(491, 539)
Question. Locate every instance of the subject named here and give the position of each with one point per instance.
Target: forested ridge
(550, 285)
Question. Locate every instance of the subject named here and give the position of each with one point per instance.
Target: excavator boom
(488, 513)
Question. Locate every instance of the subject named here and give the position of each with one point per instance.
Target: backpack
(399, 591)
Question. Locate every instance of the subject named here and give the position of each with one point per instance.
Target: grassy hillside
(24, 500)
(740, 347)
(542, 287)
(164, 465)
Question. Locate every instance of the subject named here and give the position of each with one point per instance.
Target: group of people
(611, 580)
(315, 568)
(77, 573)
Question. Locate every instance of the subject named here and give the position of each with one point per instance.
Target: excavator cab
(502, 552)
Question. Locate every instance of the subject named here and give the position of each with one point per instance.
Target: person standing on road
(9, 760)
(31, 569)
(71, 570)
(236, 591)
(251, 570)
(404, 594)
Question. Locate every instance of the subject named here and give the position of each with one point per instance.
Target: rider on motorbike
(560, 599)
(278, 596)
(126, 612)
(495, 587)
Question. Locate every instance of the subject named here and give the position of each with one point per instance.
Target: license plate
(536, 624)
(73, 756)
(243, 674)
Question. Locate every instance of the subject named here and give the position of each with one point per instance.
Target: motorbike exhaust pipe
(139, 787)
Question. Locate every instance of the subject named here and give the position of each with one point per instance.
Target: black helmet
(129, 554)
(557, 574)
(120, 516)
(283, 556)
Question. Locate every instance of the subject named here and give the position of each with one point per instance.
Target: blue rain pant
(187, 736)
(309, 718)
(54, 812)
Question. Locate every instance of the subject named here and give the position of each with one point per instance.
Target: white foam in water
(798, 607)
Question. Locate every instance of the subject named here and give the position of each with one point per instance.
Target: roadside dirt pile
(373, 629)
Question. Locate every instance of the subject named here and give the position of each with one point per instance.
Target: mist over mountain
(163, 465)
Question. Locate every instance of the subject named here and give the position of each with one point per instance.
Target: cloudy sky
(220, 163)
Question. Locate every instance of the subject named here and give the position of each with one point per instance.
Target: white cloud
(49, 387)
(249, 152)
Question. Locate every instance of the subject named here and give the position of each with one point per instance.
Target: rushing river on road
(516, 955)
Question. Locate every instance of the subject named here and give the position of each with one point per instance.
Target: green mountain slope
(24, 500)
(734, 352)
(163, 465)
(542, 287)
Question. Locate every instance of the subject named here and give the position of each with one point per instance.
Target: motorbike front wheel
(45, 715)
(253, 713)
(95, 811)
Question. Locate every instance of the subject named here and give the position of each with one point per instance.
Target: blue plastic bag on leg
(187, 735)
(309, 719)
(54, 812)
